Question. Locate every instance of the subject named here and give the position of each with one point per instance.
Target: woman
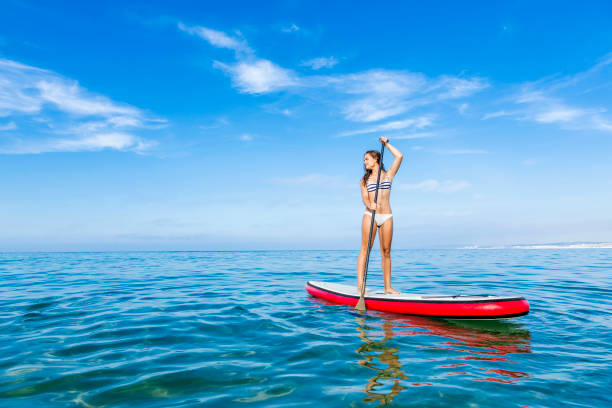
(383, 217)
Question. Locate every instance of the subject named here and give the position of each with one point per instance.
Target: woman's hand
(373, 206)
(384, 140)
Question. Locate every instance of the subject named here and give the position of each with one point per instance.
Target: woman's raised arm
(397, 155)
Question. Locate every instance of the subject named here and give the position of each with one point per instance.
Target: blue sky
(197, 126)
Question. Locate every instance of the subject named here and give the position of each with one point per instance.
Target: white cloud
(599, 123)
(249, 74)
(117, 141)
(219, 122)
(558, 114)
(418, 135)
(290, 29)
(372, 109)
(217, 38)
(361, 97)
(455, 87)
(381, 82)
(550, 110)
(101, 141)
(497, 114)
(25, 89)
(381, 94)
(460, 151)
(560, 101)
(18, 93)
(321, 62)
(431, 185)
(246, 137)
(71, 98)
(575, 79)
(258, 77)
(377, 94)
(277, 109)
(8, 126)
(48, 103)
(417, 123)
(126, 121)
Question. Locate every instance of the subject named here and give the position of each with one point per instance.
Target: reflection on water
(382, 359)
(476, 349)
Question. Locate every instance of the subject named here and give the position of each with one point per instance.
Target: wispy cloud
(291, 28)
(497, 114)
(417, 123)
(456, 87)
(558, 113)
(368, 96)
(572, 80)
(219, 122)
(321, 62)
(431, 185)
(18, 91)
(459, 151)
(217, 38)
(8, 126)
(417, 135)
(249, 74)
(258, 77)
(560, 101)
(100, 141)
(381, 94)
(378, 94)
(277, 109)
(49, 105)
(71, 98)
(545, 109)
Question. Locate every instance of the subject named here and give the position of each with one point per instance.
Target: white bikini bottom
(379, 218)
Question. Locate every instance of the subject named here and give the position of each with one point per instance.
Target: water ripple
(182, 329)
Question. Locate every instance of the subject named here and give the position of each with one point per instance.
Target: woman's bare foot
(365, 294)
(392, 291)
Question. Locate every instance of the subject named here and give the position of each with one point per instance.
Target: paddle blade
(360, 305)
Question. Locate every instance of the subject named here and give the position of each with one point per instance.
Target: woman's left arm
(397, 156)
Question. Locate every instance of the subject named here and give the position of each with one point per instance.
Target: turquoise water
(182, 329)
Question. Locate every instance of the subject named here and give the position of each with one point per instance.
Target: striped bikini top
(384, 185)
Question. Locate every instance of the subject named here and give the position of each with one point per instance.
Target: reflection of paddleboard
(448, 306)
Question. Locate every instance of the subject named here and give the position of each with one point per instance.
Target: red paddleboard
(447, 306)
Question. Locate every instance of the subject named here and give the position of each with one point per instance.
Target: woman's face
(368, 161)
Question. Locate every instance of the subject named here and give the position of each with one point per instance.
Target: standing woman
(383, 217)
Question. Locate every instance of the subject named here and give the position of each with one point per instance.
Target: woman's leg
(366, 222)
(386, 234)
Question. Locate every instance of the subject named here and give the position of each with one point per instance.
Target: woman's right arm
(365, 197)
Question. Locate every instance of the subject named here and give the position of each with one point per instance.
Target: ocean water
(205, 329)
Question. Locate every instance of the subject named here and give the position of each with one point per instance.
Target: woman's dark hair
(376, 156)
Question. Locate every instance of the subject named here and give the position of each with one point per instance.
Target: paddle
(361, 304)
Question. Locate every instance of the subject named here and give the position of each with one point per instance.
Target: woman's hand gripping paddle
(361, 303)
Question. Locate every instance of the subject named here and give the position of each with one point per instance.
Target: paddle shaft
(361, 303)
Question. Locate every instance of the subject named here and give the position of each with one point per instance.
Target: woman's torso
(384, 192)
